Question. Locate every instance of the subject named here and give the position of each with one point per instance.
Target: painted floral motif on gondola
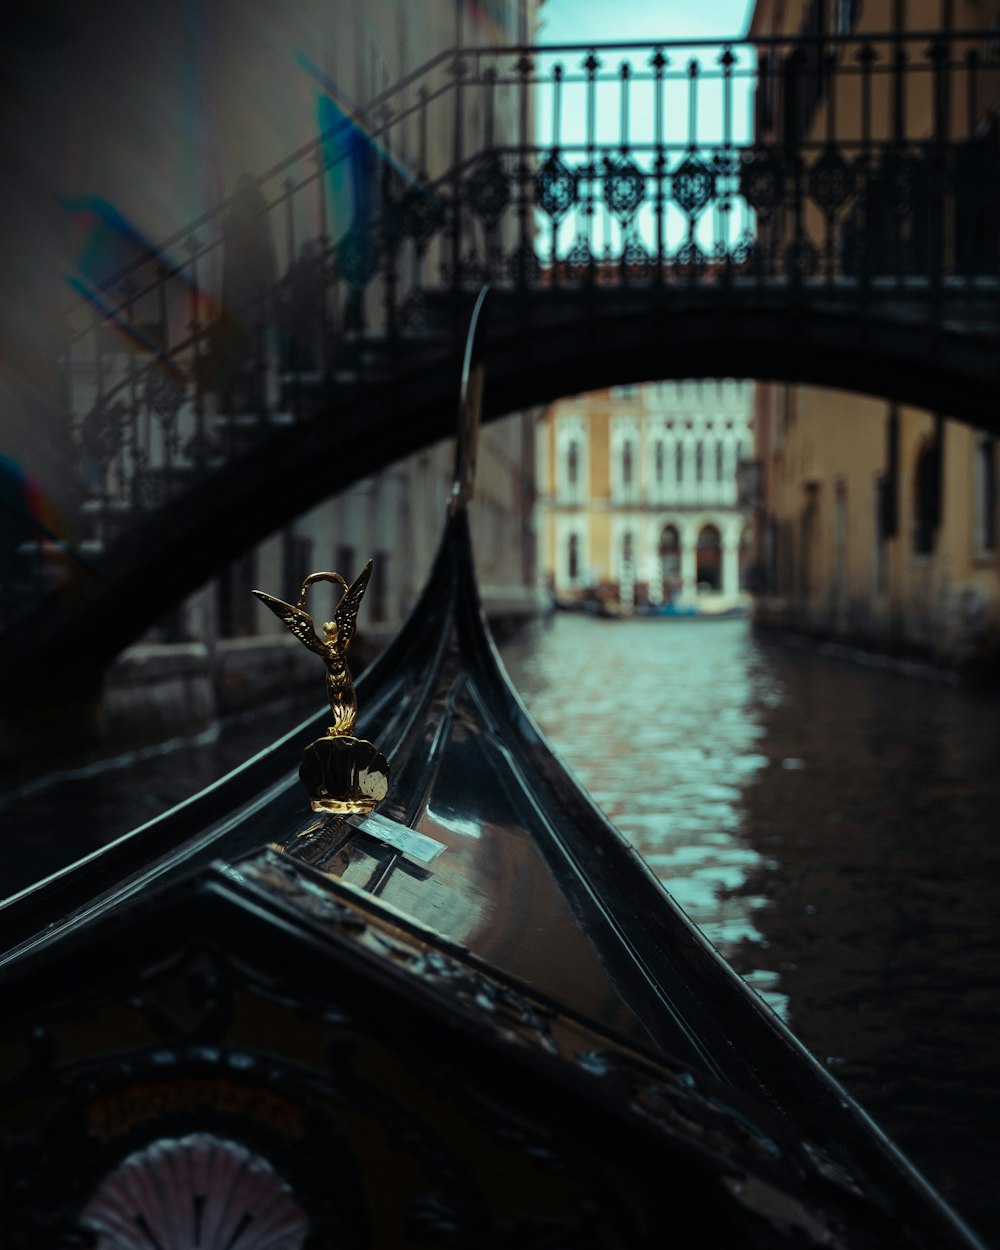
(488, 189)
(831, 181)
(624, 187)
(762, 179)
(555, 188)
(199, 1190)
(693, 186)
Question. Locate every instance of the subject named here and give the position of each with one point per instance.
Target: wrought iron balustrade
(853, 168)
(847, 161)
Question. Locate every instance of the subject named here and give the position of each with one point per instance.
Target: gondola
(467, 1017)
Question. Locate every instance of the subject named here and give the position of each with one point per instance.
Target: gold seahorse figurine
(342, 773)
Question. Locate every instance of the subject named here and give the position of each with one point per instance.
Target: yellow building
(638, 494)
(876, 523)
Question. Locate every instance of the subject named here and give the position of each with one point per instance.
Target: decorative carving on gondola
(343, 774)
(199, 1190)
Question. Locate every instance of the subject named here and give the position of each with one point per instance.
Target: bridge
(777, 209)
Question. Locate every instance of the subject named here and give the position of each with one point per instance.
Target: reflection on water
(66, 815)
(660, 721)
(833, 829)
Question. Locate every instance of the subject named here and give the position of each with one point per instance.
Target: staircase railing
(843, 168)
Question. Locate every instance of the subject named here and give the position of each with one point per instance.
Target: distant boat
(612, 610)
(690, 611)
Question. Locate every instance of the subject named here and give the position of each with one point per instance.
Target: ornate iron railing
(847, 165)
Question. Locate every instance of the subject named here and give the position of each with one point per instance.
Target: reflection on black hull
(482, 977)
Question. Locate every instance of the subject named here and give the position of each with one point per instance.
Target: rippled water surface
(834, 829)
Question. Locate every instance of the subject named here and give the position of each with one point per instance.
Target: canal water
(832, 827)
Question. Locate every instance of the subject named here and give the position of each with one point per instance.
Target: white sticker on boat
(400, 837)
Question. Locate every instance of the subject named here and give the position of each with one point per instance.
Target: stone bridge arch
(539, 349)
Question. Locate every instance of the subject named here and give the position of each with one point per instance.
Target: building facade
(638, 494)
(876, 523)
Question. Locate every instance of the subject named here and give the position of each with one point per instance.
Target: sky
(579, 21)
(649, 22)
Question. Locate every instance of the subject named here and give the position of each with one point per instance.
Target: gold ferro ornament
(343, 774)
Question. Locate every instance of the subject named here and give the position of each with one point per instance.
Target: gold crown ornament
(342, 774)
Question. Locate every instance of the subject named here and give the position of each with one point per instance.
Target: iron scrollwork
(831, 181)
(487, 190)
(555, 188)
(624, 187)
(694, 186)
(424, 214)
(762, 179)
(358, 254)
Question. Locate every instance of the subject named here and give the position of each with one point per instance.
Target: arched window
(670, 541)
(709, 538)
(719, 462)
(709, 557)
(699, 462)
(658, 462)
(573, 557)
(679, 459)
(670, 562)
